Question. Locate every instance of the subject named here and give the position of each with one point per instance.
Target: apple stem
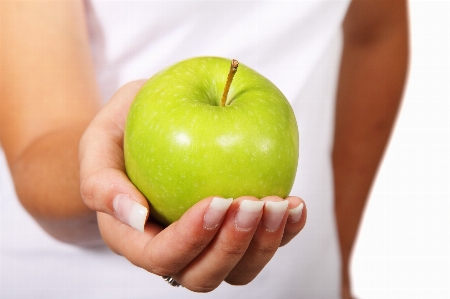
(233, 70)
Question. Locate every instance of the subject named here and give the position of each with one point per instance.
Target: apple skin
(181, 146)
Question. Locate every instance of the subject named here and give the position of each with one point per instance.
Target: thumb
(105, 186)
(110, 191)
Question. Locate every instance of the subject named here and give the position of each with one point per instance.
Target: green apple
(182, 144)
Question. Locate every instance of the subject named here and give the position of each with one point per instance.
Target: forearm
(46, 177)
(48, 95)
(371, 83)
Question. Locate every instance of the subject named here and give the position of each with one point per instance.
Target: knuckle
(153, 264)
(157, 264)
(233, 250)
(92, 189)
(192, 244)
(159, 269)
(189, 240)
(86, 190)
(266, 248)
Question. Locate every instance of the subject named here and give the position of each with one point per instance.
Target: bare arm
(48, 97)
(372, 77)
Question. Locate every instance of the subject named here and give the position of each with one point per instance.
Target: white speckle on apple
(227, 140)
(182, 139)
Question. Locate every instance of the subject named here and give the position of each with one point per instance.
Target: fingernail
(247, 214)
(273, 214)
(130, 212)
(216, 211)
(295, 213)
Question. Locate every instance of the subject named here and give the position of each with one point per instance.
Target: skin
(42, 120)
(372, 77)
(196, 254)
(48, 97)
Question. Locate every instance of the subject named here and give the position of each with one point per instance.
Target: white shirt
(296, 45)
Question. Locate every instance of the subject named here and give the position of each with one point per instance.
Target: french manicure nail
(295, 213)
(246, 215)
(273, 214)
(216, 211)
(130, 212)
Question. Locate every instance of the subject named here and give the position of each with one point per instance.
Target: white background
(403, 249)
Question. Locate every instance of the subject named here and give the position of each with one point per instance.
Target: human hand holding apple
(192, 250)
(190, 135)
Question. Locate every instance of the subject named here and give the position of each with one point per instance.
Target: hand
(216, 240)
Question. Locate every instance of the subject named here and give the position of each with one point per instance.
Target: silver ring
(171, 281)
